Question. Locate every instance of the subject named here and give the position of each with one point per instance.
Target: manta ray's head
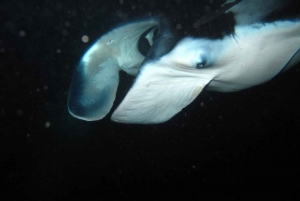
(167, 84)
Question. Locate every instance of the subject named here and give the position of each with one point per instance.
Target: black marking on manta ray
(289, 11)
(221, 18)
(214, 14)
(260, 25)
(143, 43)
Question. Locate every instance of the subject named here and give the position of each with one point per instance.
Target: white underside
(253, 56)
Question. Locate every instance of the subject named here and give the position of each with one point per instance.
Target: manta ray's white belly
(256, 54)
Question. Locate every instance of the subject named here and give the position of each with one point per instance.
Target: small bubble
(202, 104)
(38, 90)
(220, 117)
(19, 113)
(9, 24)
(207, 8)
(47, 124)
(74, 13)
(119, 13)
(67, 23)
(124, 16)
(85, 24)
(58, 51)
(22, 33)
(121, 1)
(85, 39)
(27, 135)
(2, 112)
(65, 32)
(58, 6)
(178, 26)
(133, 7)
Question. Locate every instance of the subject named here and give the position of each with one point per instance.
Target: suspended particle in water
(67, 23)
(85, 39)
(19, 112)
(22, 33)
(65, 32)
(178, 26)
(47, 124)
(45, 87)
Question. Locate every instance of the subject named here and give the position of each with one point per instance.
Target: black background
(238, 145)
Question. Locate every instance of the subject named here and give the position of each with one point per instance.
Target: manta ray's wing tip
(93, 90)
(96, 78)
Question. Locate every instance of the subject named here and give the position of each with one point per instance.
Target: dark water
(234, 144)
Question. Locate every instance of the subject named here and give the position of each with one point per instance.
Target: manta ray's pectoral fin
(91, 95)
(95, 81)
(160, 92)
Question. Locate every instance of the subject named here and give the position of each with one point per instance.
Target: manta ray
(172, 71)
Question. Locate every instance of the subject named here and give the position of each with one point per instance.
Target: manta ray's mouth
(157, 95)
(146, 40)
